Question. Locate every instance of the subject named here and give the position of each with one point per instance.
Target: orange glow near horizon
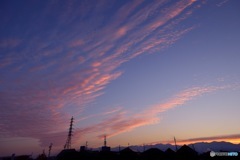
(189, 141)
(234, 141)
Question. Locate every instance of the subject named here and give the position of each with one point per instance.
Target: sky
(138, 71)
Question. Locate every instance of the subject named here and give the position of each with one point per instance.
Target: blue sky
(137, 71)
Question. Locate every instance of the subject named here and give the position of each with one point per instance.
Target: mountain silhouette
(200, 147)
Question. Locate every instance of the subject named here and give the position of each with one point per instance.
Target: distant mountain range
(200, 147)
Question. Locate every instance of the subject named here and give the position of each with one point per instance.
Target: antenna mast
(68, 142)
(86, 144)
(105, 140)
(175, 144)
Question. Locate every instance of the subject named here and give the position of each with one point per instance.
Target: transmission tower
(68, 142)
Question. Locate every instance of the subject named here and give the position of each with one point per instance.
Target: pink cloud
(107, 78)
(11, 42)
(180, 99)
(77, 69)
(96, 64)
(118, 122)
(150, 116)
(121, 32)
(76, 43)
(6, 62)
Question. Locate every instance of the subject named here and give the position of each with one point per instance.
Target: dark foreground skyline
(197, 151)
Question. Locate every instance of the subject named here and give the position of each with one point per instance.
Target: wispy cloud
(9, 42)
(222, 3)
(55, 70)
(180, 99)
(119, 121)
(150, 115)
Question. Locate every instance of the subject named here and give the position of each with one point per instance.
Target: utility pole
(49, 151)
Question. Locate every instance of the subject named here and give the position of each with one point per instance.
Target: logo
(212, 154)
